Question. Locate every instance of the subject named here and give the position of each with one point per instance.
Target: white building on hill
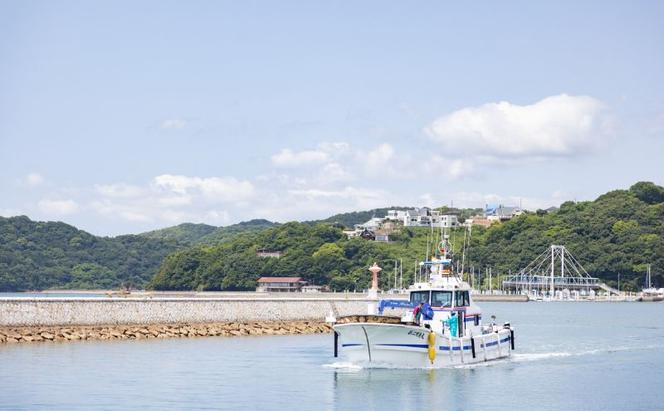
(501, 212)
(426, 217)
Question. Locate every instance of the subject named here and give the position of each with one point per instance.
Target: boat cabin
(441, 298)
(445, 302)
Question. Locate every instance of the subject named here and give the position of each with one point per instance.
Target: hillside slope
(618, 233)
(188, 233)
(37, 255)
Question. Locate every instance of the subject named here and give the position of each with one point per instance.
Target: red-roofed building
(280, 284)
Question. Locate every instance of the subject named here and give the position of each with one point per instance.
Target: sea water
(569, 356)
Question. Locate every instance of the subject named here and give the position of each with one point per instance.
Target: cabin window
(462, 299)
(441, 298)
(417, 297)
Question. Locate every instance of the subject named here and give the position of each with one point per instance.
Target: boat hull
(408, 346)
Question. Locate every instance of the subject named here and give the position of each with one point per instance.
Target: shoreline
(28, 334)
(223, 295)
(65, 333)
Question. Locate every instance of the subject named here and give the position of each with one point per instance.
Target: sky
(126, 116)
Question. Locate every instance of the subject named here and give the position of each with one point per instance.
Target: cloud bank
(334, 177)
(560, 126)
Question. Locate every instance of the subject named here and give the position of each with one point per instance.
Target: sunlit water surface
(570, 356)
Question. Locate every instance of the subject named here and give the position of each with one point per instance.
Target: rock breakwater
(11, 335)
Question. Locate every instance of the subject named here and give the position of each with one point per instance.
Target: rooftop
(280, 279)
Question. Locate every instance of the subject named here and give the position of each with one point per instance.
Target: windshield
(462, 299)
(417, 297)
(441, 298)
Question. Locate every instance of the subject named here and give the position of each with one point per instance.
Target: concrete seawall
(130, 311)
(71, 319)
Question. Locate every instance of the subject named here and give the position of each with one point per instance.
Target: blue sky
(120, 117)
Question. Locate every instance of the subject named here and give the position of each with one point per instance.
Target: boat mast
(649, 278)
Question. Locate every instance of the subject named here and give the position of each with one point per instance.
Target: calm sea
(570, 356)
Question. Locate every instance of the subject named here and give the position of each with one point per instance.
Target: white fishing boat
(448, 332)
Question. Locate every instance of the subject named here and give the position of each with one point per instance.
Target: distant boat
(651, 293)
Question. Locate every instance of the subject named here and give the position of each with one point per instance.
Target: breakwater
(125, 332)
(75, 319)
(145, 311)
(72, 319)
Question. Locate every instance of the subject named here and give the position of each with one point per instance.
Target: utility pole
(401, 273)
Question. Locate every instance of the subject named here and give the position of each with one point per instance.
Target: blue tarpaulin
(394, 304)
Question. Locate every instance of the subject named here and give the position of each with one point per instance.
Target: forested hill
(618, 233)
(189, 233)
(37, 255)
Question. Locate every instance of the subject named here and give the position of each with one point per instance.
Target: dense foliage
(37, 255)
(189, 233)
(619, 233)
(222, 234)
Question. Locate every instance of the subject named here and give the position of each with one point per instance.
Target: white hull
(407, 346)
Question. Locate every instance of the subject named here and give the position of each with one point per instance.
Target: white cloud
(34, 179)
(216, 217)
(286, 204)
(119, 190)
(171, 199)
(560, 125)
(333, 172)
(378, 158)
(289, 158)
(10, 212)
(173, 124)
(58, 207)
(449, 168)
(217, 188)
(346, 193)
(334, 148)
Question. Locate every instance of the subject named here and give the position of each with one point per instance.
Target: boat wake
(345, 366)
(352, 367)
(516, 357)
(540, 356)
(522, 357)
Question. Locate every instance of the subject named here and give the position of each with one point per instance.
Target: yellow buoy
(431, 339)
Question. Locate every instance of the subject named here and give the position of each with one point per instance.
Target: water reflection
(423, 389)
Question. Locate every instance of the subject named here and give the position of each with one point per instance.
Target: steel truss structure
(555, 268)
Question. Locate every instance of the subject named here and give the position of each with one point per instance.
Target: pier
(557, 274)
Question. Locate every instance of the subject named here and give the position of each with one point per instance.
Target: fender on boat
(336, 344)
(431, 339)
